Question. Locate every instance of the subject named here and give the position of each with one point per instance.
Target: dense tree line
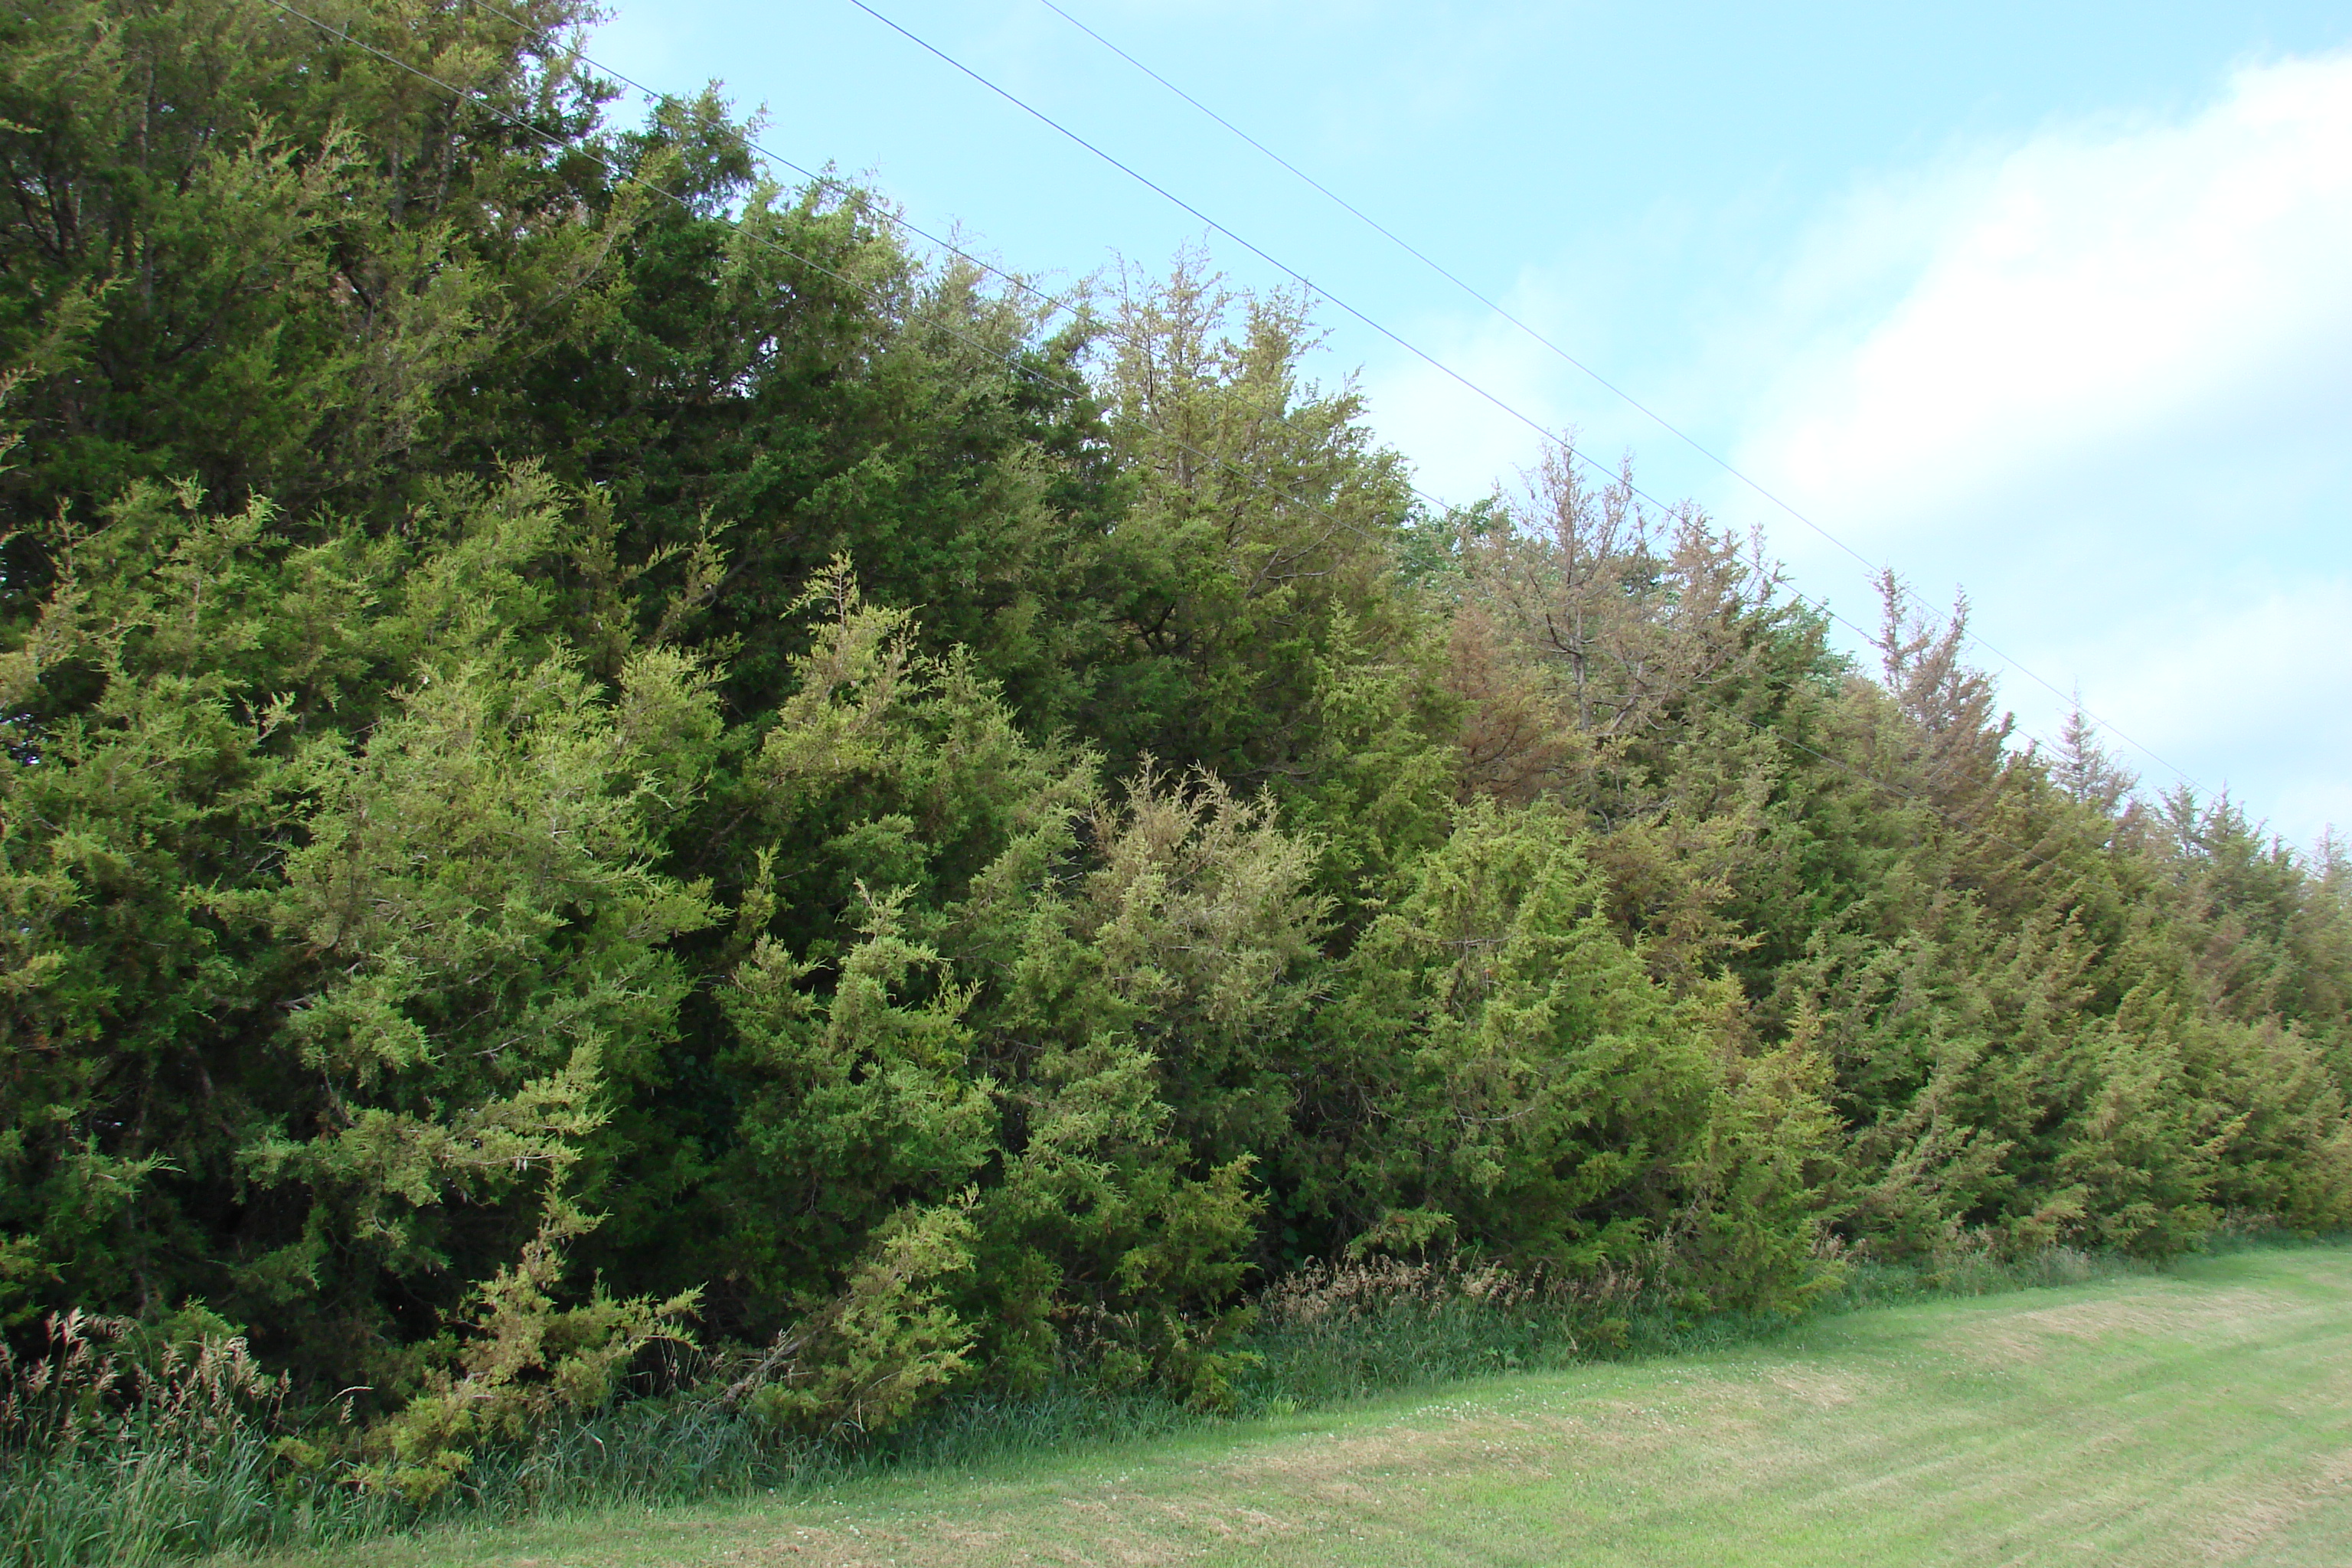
(598, 750)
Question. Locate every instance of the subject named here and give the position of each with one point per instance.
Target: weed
(143, 1456)
(134, 1455)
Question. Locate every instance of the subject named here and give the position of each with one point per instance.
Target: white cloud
(2213, 682)
(2082, 291)
(2104, 379)
(1462, 443)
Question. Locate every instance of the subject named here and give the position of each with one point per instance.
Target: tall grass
(1333, 1332)
(113, 1453)
(124, 1453)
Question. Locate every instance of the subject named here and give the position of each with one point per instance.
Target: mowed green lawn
(2203, 1416)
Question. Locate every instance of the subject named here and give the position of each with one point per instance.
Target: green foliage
(525, 1361)
(869, 1358)
(542, 677)
(399, 961)
(239, 255)
(1258, 540)
(1527, 1079)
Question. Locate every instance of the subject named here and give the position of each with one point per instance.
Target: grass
(115, 1458)
(2202, 1415)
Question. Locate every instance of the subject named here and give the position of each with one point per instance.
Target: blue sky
(2053, 302)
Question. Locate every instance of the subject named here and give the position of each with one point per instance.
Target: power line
(1417, 253)
(1050, 304)
(1010, 361)
(482, 101)
(1269, 258)
(1545, 431)
(1466, 288)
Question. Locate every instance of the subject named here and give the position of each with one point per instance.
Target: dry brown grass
(88, 1390)
(1320, 1295)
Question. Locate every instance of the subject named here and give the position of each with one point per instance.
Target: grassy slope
(2202, 1416)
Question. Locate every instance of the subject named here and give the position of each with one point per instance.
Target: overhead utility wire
(482, 101)
(1291, 272)
(1659, 419)
(1010, 361)
(1271, 260)
(1308, 283)
(1050, 304)
(1443, 271)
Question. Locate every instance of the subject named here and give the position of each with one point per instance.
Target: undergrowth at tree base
(201, 1462)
